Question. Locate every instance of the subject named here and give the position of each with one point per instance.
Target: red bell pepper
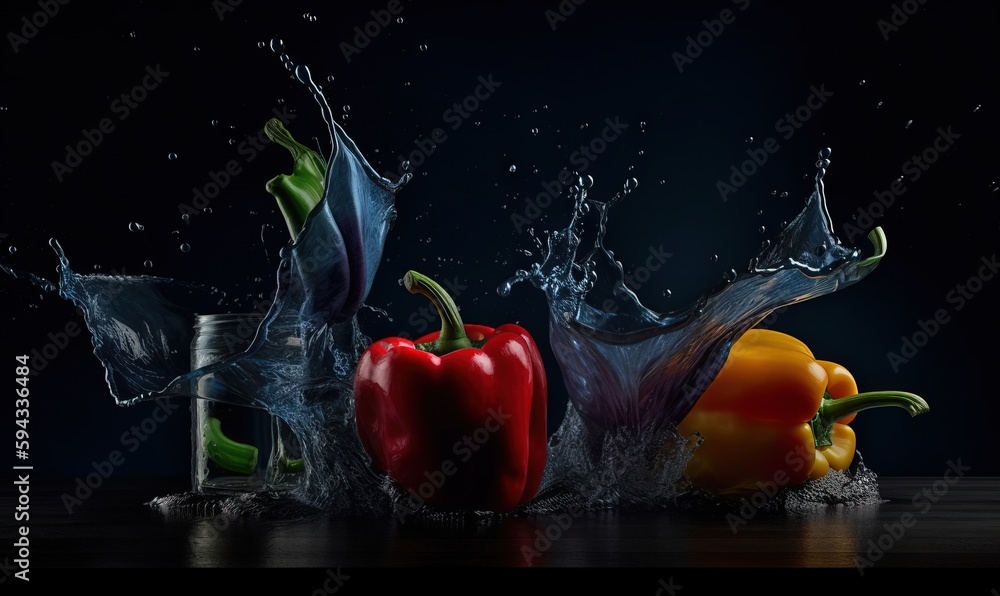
(458, 416)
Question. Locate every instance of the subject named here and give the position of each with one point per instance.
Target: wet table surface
(958, 526)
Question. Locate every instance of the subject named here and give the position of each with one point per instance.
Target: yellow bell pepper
(776, 414)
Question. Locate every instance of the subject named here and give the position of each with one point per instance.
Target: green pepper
(299, 192)
(227, 453)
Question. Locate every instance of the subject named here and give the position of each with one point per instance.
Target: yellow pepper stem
(832, 410)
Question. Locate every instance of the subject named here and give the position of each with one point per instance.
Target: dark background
(606, 60)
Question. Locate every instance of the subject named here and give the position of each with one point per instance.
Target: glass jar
(235, 447)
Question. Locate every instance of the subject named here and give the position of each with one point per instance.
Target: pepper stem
(452, 336)
(832, 410)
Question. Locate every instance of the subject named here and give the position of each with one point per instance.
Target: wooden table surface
(907, 535)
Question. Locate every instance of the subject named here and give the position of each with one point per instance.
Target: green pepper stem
(881, 244)
(452, 335)
(832, 410)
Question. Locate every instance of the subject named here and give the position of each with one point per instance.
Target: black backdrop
(688, 121)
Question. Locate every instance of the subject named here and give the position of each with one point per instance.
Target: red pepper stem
(832, 410)
(452, 336)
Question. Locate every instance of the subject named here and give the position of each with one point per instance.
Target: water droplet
(172, 156)
(303, 74)
(861, 82)
(667, 293)
(642, 152)
(197, 49)
(588, 181)
(976, 109)
(232, 141)
(994, 187)
(136, 227)
(423, 47)
(12, 249)
(749, 140)
(534, 131)
(908, 123)
(760, 212)
(774, 192)
(784, 194)
(784, 224)
(215, 122)
(761, 229)
(208, 210)
(642, 124)
(823, 163)
(825, 152)
(97, 267)
(261, 44)
(277, 46)
(713, 258)
(730, 275)
(631, 184)
(513, 168)
(186, 216)
(406, 165)
(400, 20)
(879, 105)
(329, 78)
(347, 108)
(148, 263)
(765, 244)
(185, 247)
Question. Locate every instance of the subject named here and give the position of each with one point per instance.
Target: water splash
(300, 363)
(633, 372)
